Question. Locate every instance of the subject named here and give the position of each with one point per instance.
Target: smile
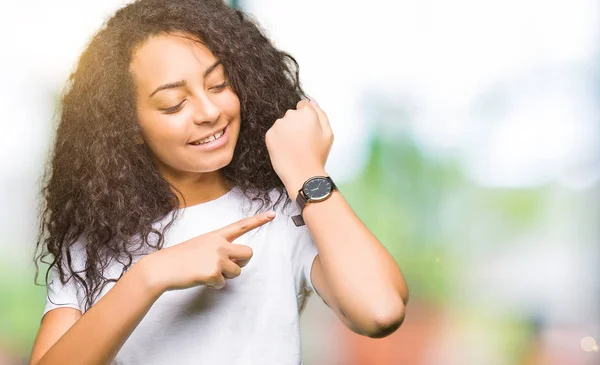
(213, 142)
(215, 136)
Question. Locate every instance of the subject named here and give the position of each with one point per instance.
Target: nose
(206, 110)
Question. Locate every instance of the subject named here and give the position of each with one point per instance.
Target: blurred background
(467, 139)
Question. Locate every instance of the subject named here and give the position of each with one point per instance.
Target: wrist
(148, 276)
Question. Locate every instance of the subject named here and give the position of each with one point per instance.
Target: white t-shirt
(254, 319)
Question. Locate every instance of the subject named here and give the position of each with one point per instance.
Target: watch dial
(317, 188)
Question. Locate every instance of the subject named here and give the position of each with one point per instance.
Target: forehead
(169, 57)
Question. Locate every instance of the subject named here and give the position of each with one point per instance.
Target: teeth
(210, 139)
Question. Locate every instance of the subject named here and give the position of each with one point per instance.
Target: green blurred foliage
(21, 305)
(429, 215)
(432, 218)
(400, 197)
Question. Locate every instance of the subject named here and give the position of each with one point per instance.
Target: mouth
(214, 142)
(211, 138)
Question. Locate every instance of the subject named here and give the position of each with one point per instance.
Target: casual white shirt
(254, 319)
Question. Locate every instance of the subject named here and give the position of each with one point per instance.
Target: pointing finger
(237, 229)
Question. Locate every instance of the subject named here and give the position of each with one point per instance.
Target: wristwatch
(315, 189)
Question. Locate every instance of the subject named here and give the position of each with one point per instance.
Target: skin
(205, 106)
(370, 301)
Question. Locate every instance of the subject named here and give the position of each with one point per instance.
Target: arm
(353, 273)
(66, 337)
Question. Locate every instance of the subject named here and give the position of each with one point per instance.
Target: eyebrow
(176, 84)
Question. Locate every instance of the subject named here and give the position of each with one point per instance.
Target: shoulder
(73, 256)
(255, 202)
(284, 213)
(284, 206)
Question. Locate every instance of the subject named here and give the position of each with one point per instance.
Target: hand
(299, 143)
(203, 260)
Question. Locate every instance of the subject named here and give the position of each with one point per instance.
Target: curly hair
(100, 184)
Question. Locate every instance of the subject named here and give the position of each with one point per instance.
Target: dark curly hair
(100, 184)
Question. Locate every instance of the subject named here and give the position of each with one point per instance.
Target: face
(183, 97)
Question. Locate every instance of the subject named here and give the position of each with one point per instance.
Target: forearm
(359, 270)
(100, 333)
(361, 275)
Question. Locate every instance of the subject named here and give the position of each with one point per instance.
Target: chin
(216, 164)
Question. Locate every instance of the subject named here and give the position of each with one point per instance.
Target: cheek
(164, 128)
(229, 103)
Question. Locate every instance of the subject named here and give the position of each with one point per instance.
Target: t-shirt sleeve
(69, 294)
(303, 252)
(59, 295)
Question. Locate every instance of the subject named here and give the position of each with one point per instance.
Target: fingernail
(271, 214)
(312, 100)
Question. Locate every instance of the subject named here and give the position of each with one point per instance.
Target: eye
(173, 109)
(220, 87)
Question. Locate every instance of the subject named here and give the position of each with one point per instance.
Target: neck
(199, 188)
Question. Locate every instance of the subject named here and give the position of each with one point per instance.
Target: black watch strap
(298, 220)
(301, 201)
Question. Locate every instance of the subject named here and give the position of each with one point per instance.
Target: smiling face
(182, 97)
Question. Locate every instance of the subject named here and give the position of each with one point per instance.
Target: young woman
(185, 152)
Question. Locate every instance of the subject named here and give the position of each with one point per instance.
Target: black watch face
(317, 188)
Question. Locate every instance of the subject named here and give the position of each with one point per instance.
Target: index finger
(237, 229)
